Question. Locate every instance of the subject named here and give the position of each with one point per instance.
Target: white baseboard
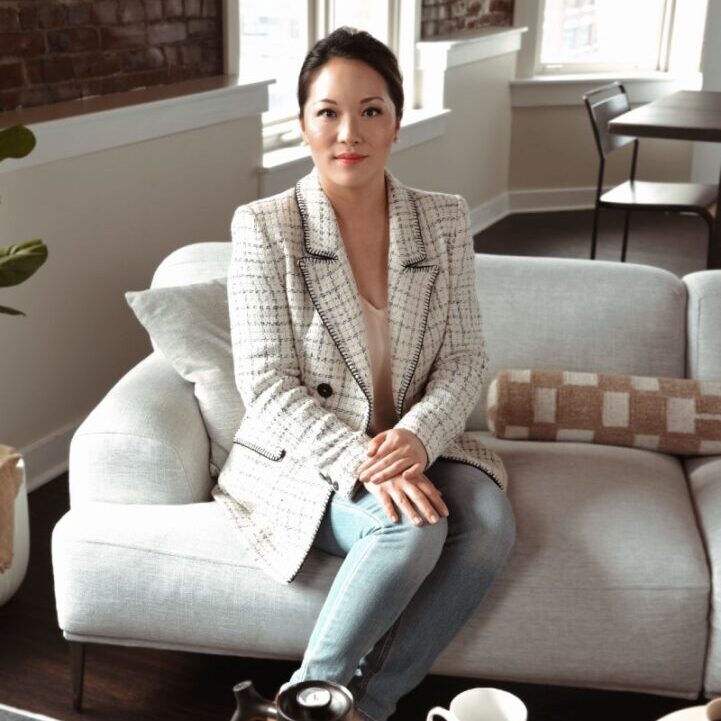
(47, 457)
(529, 201)
(489, 213)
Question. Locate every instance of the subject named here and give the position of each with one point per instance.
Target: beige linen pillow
(190, 326)
(672, 415)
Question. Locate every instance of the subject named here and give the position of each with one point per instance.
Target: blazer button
(335, 485)
(325, 390)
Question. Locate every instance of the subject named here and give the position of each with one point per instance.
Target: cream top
(379, 343)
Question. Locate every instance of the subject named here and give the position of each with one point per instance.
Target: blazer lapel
(334, 292)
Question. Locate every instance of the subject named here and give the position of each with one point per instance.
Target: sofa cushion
(670, 415)
(607, 585)
(189, 325)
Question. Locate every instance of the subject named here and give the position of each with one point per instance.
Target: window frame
(539, 69)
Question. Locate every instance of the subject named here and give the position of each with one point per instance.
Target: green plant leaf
(16, 142)
(10, 311)
(18, 262)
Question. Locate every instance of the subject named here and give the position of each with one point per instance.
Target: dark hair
(353, 44)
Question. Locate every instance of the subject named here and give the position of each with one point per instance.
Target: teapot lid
(315, 701)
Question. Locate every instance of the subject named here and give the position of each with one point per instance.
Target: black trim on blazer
(417, 354)
(353, 370)
(270, 455)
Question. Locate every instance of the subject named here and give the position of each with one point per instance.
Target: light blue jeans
(404, 591)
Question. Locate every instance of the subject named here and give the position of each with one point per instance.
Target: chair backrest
(604, 104)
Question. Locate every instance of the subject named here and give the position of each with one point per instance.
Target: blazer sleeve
(456, 379)
(266, 368)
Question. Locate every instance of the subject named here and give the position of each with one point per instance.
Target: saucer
(695, 713)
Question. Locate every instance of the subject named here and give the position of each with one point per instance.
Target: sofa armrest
(145, 442)
(704, 478)
(703, 349)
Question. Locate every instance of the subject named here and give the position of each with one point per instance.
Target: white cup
(482, 704)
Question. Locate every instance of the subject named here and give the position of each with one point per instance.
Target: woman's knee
(418, 547)
(481, 510)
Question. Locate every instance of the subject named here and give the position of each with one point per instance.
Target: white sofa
(614, 579)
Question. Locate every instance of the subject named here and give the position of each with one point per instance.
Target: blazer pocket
(274, 455)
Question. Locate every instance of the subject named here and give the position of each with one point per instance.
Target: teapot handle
(442, 712)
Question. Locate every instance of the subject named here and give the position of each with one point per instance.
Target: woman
(359, 355)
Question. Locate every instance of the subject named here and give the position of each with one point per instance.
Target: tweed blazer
(302, 365)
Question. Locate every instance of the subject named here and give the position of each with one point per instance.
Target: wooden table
(684, 115)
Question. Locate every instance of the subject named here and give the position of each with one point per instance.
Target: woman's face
(349, 111)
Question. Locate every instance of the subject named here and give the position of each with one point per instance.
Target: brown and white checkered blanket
(671, 415)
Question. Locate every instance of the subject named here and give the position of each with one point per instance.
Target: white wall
(707, 156)
(108, 218)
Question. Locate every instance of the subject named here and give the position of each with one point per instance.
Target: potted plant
(17, 263)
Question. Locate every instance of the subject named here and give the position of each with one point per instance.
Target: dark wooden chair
(604, 104)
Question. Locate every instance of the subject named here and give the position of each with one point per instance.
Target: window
(581, 36)
(275, 35)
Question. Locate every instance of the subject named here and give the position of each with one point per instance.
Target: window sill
(442, 53)
(417, 126)
(554, 90)
(66, 130)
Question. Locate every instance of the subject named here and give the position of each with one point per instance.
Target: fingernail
(417, 520)
(433, 518)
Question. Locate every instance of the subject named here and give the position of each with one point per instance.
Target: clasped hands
(393, 472)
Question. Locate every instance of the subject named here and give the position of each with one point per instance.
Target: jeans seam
(338, 604)
(385, 650)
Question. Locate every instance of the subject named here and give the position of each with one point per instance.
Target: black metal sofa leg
(77, 667)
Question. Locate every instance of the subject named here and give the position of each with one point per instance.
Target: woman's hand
(391, 453)
(404, 493)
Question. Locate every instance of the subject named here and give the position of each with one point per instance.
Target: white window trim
(89, 125)
(555, 90)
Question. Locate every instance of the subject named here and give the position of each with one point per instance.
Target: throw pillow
(190, 326)
(672, 415)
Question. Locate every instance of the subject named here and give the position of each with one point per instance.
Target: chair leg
(709, 222)
(594, 232)
(77, 666)
(626, 223)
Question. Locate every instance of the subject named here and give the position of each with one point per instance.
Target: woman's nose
(348, 131)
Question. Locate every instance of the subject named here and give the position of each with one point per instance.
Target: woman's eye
(324, 110)
(376, 111)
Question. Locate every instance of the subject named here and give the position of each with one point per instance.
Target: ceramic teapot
(304, 701)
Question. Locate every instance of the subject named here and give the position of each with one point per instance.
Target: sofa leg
(77, 666)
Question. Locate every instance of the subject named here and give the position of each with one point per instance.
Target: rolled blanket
(10, 480)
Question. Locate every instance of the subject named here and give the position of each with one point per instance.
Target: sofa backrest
(548, 313)
(579, 314)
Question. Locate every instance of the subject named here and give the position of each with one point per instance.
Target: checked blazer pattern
(302, 365)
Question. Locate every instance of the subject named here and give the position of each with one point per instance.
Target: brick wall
(446, 17)
(53, 51)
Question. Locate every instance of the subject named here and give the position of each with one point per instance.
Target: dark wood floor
(677, 243)
(133, 684)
